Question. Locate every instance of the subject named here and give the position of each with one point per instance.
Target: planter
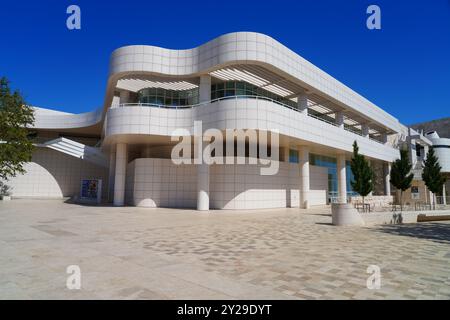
(5, 198)
(344, 214)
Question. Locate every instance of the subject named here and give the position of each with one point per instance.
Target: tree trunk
(434, 201)
(364, 207)
(401, 200)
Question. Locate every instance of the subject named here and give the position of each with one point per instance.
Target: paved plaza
(137, 253)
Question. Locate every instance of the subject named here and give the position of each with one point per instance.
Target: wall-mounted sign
(91, 190)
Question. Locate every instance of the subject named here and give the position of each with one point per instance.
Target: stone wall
(160, 183)
(53, 174)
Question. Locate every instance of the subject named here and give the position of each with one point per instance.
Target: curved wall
(238, 48)
(442, 150)
(53, 174)
(160, 183)
(56, 120)
(241, 114)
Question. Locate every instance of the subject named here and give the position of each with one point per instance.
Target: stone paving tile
(137, 253)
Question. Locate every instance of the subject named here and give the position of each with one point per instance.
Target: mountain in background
(441, 126)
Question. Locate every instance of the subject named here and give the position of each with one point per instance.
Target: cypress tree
(363, 175)
(431, 175)
(401, 176)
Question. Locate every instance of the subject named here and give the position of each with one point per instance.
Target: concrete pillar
(286, 154)
(387, 177)
(302, 103)
(202, 168)
(115, 101)
(120, 174)
(202, 178)
(111, 176)
(340, 119)
(384, 138)
(342, 178)
(303, 155)
(205, 88)
(365, 130)
(444, 200)
(146, 152)
(124, 96)
(288, 181)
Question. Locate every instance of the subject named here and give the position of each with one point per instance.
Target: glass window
(230, 85)
(229, 93)
(159, 100)
(168, 97)
(240, 92)
(293, 156)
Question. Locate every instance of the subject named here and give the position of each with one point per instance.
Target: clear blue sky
(404, 68)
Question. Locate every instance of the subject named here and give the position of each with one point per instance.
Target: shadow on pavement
(439, 232)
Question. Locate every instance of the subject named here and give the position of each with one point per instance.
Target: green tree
(401, 176)
(15, 117)
(363, 175)
(431, 175)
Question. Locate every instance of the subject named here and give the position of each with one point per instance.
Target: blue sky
(404, 67)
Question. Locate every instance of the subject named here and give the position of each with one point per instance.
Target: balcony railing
(154, 105)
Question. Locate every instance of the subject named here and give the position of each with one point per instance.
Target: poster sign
(91, 190)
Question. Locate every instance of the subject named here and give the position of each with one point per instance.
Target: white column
(384, 138)
(202, 178)
(120, 174)
(146, 152)
(286, 154)
(340, 119)
(203, 168)
(444, 200)
(115, 101)
(288, 184)
(124, 96)
(111, 176)
(302, 103)
(342, 178)
(205, 88)
(303, 155)
(387, 177)
(365, 130)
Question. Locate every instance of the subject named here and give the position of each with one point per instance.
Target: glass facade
(331, 164)
(241, 88)
(293, 156)
(165, 97)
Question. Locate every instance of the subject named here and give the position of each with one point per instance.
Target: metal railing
(155, 105)
(443, 200)
(321, 119)
(353, 131)
(373, 139)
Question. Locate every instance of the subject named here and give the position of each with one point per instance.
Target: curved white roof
(244, 48)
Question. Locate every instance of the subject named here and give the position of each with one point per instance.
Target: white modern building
(239, 80)
(441, 148)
